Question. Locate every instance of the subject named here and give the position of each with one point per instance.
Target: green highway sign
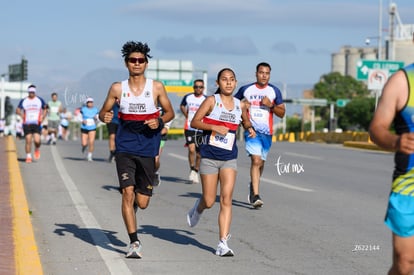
(364, 66)
(177, 82)
(342, 102)
(308, 101)
(15, 72)
(18, 72)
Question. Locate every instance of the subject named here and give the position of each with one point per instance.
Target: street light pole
(378, 92)
(3, 103)
(380, 31)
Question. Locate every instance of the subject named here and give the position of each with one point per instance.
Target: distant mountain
(96, 83)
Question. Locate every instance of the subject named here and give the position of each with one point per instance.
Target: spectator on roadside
(2, 126)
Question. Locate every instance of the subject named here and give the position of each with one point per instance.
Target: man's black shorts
(29, 129)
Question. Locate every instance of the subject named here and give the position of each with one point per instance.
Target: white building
(398, 46)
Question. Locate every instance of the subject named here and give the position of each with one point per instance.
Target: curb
(27, 260)
(363, 145)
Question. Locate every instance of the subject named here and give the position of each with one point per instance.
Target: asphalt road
(323, 214)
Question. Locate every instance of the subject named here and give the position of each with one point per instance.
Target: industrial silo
(369, 53)
(404, 51)
(338, 63)
(352, 58)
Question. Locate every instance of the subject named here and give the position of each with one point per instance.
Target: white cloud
(236, 12)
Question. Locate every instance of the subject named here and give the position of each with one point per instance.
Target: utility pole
(3, 101)
(332, 122)
(380, 31)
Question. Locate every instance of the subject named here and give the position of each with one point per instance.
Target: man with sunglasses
(189, 106)
(139, 134)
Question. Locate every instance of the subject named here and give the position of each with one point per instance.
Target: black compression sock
(133, 237)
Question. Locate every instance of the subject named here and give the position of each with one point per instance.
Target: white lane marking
(113, 262)
(281, 184)
(178, 156)
(286, 185)
(302, 156)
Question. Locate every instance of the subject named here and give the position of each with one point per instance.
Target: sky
(65, 40)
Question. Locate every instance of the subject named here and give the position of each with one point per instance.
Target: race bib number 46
(259, 115)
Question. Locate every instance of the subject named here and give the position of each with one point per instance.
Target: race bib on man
(32, 116)
(259, 115)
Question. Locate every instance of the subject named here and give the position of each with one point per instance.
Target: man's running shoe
(37, 154)
(28, 160)
(193, 216)
(111, 157)
(223, 249)
(135, 250)
(157, 179)
(257, 201)
(83, 149)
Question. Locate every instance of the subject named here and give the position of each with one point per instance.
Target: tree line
(356, 115)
